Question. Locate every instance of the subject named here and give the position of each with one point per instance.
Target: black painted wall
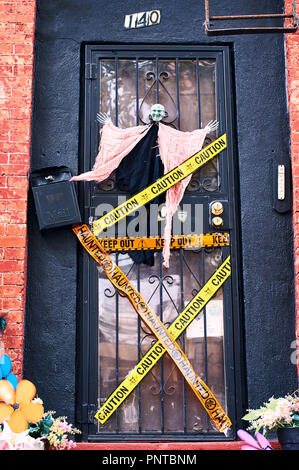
(63, 26)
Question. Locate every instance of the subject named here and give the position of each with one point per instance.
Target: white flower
(18, 441)
(37, 400)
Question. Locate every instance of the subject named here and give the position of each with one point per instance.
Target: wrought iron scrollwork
(209, 182)
(157, 82)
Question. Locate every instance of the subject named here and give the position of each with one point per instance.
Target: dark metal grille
(169, 290)
(135, 84)
(193, 85)
(161, 404)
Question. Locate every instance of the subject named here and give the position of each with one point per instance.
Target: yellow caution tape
(165, 337)
(161, 185)
(157, 243)
(150, 359)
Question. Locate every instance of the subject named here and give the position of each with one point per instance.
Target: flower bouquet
(280, 415)
(53, 432)
(23, 421)
(48, 433)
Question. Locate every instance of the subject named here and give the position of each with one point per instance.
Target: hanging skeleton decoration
(157, 112)
(134, 154)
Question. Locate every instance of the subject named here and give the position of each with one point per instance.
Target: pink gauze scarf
(174, 148)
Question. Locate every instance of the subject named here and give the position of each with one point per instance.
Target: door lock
(219, 215)
(217, 222)
(217, 208)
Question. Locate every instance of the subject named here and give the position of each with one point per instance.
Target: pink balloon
(246, 437)
(265, 444)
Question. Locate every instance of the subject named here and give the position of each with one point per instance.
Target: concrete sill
(233, 445)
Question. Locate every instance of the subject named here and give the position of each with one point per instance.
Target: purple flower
(251, 444)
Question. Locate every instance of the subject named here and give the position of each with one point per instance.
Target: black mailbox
(55, 197)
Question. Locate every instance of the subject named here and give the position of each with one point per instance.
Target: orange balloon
(5, 412)
(25, 391)
(7, 392)
(33, 412)
(17, 422)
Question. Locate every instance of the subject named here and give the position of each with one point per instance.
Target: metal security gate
(194, 85)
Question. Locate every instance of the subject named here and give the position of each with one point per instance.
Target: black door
(194, 85)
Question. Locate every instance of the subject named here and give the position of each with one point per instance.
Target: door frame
(86, 400)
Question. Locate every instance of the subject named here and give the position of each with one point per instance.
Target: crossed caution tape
(178, 326)
(165, 337)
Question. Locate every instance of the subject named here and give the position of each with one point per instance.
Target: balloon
(261, 444)
(17, 422)
(7, 392)
(246, 437)
(5, 364)
(25, 391)
(12, 379)
(264, 443)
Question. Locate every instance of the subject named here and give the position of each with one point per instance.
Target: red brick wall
(292, 64)
(17, 24)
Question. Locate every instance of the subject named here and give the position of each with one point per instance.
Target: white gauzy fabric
(174, 148)
(115, 144)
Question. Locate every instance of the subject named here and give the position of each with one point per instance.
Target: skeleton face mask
(158, 112)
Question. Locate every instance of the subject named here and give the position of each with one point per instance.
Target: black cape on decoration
(139, 169)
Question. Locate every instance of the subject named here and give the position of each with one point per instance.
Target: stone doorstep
(222, 445)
